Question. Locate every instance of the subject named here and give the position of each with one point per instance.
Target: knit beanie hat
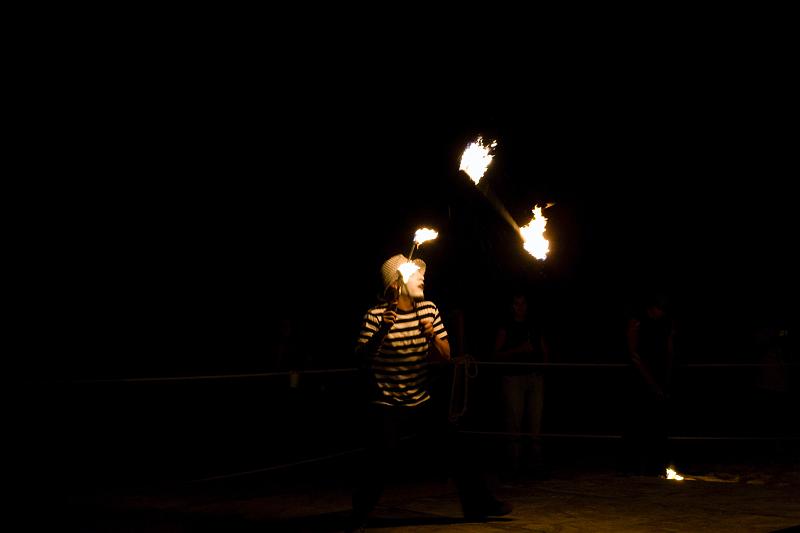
(390, 266)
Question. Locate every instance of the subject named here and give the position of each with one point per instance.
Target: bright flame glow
(672, 474)
(406, 270)
(476, 158)
(424, 234)
(533, 235)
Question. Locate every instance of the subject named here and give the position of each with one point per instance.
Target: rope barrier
(464, 369)
(289, 465)
(278, 467)
(212, 377)
(598, 436)
(501, 433)
(472, 362)
(470, 371)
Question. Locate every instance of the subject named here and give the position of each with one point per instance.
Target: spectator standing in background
(520, 340)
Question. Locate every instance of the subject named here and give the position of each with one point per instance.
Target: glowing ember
(672, 474)
(533, 235)
(476, 158)
(424, 234)
(406, 270)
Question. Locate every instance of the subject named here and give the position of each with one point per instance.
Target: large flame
(476, 158)
(424, 234)
(406, 270)
(672, 474)
(533, 235)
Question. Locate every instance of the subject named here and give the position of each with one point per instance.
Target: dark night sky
(224, 209)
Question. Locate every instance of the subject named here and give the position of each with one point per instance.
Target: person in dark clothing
(650, 335)
(397, 339)
(520, 339)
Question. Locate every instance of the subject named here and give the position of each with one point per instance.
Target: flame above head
(533, 235)
(406, 270)
(476, 158)
(425, 234)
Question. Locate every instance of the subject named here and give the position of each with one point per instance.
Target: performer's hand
(426, 324)
(388, 318)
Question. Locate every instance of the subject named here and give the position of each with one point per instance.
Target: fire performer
(398, 338)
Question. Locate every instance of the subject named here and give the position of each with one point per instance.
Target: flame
(672, 474)
(476, 158)
(533, 235)
(424, 234)
(406, 270)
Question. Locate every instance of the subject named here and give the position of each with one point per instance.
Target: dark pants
(406, 438)
(645, 435)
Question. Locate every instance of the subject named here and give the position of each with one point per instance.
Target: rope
(213, 377)
(354, 370)
(470, 371)
(278, 467)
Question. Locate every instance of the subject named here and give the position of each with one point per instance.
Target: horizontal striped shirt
(400, 367)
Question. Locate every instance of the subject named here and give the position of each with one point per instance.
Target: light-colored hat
(390, 266)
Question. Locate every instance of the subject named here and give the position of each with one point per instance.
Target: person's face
(519, 306)
(416, 285)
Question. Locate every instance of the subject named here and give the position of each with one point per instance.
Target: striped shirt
(399, 368)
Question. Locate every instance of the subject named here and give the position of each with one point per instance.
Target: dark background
(196, 199)
(207, 194)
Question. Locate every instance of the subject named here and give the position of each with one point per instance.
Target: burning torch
(475, 161)
(408, 268)
(421, 235)
(533, 234)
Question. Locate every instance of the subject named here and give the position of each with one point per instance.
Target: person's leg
(535, 406)
(659, 450)
(382, 437)
(513, 401)
(634, 414)
(467, 467)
